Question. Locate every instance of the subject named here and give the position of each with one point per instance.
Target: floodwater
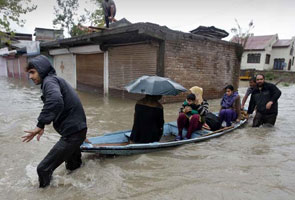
(250, 163)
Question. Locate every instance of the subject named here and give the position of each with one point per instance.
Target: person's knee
(181, 117)
(195, 117)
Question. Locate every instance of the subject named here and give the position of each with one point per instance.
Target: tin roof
(256, 42)
(282, 43)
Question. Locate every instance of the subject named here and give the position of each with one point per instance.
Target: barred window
(254, 58)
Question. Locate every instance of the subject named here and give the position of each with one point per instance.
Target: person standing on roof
(62, 106)
(109, 9)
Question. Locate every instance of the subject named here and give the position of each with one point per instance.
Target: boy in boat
(62, 106)
(252, 86)
(188, 118)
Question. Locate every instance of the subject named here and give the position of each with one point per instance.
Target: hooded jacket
(259, 99)
(62, 105)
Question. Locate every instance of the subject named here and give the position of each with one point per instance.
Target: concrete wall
(65, 66)
(205, 63)
(283, 53)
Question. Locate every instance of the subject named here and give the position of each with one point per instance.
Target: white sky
(269, 16)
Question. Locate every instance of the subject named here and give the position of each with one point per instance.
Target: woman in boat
(202, 104)
(230, 106)
(188, 118)
(148, 120)
(209, 120)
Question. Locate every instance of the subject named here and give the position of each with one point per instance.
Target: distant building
(268, 52)
(45, 35)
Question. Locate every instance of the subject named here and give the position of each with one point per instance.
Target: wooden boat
(117, 143)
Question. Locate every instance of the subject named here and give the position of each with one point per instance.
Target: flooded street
(249, 163)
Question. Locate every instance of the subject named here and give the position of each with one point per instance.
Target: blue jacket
(62, 105)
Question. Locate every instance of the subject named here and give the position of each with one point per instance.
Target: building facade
(108, 60)
(268, 53)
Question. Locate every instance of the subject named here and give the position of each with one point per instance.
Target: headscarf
(228, 101)
(198, 91)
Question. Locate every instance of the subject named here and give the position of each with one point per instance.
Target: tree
(10, 11)
(67, 16)
(66, 13)
(96, 17)
(241, 36)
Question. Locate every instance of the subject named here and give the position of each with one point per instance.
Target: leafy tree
(96, 17)
(10, 11)
(67, 16)
(66, 13)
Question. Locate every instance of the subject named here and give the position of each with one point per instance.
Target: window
(254, 58)
(267, 59)
(279, 64)
(291, 51)
(293, 61)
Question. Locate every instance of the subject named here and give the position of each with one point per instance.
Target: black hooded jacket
(62, 105)
(259, 99)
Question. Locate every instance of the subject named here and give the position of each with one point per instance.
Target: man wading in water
(62, 106)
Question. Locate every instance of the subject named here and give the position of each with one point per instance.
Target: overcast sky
(269, 16)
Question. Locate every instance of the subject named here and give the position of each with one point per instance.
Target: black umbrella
(154, 85)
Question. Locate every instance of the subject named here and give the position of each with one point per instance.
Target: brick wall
(201, 62)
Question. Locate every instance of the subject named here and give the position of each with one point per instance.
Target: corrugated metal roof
(256, 42)
(282, 43)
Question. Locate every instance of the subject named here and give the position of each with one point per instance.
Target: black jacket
(259, 99)
(148, 124)
(62, 105)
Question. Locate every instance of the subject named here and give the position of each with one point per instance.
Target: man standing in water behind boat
(265, 99)
(62, 106)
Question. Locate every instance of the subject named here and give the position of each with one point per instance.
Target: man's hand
(32, 133)
(268, 105)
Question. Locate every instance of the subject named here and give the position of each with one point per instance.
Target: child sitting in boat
(188, 118)
(230, 106)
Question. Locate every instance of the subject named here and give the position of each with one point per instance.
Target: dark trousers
(260, 119)
(192, 124)
(67, 150)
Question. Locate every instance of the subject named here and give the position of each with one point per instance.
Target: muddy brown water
(250, 163)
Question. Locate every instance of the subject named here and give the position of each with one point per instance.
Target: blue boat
(117, 143)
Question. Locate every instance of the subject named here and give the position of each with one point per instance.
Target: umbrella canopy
(154, 85)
